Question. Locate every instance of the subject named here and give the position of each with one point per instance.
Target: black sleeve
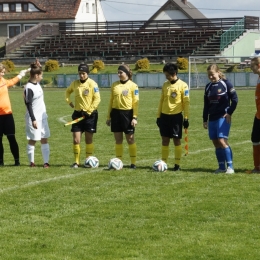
(205, 108)
(28, 96)
(232, 94)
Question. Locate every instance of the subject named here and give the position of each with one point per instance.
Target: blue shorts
(219, 129)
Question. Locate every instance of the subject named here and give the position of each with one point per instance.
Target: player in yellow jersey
(173, 112)
(7, 126)
(87, 99)
(123, 112)
(255, 136)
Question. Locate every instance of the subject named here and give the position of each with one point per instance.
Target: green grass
(63, 213)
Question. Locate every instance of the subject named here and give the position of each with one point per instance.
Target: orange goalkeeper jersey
(5, 104)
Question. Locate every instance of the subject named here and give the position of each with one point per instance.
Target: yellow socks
(119, 151)
(132, 153)
(165, 153)
(89, 150)
(76, 151)
(178, 153)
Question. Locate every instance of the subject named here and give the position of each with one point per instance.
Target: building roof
(48, 9)
(182, 5)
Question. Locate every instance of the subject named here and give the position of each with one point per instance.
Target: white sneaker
(230, 170)
(219, 171)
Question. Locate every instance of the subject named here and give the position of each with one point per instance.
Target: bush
(232, 68)
(51, 65)
(9, 65)
(182, 63)
(142, 64)
(98, 65)
(94, 71)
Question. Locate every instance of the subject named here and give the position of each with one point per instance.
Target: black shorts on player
(255, 136)
(7, 126)
(88, 124)
(121, 121)
(171, 125)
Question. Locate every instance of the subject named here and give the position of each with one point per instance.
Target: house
(17, 16)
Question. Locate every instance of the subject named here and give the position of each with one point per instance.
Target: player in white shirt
(37, 128)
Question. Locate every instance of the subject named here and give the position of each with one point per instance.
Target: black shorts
(7, 126)
(121, 121)
(88, 124)
(171, 125)
(255, 136)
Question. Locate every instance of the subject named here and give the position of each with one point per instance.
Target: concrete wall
(244, 46)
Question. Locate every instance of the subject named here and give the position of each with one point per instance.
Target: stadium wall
(243, 46)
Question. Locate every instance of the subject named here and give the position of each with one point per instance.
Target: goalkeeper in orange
(7, 126)
(123, 112)
(173, 113)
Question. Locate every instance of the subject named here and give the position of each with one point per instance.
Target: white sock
(30, 152)
(45, 152)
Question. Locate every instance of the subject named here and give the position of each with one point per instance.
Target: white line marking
(34, 183)
(62, 120)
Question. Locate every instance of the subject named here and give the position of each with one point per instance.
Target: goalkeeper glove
(186, 123)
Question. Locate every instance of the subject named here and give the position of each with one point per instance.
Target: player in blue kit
(220, 101)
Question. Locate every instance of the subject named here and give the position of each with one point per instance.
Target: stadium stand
(125, 40)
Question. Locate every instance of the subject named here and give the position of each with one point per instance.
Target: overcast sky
(119, 10)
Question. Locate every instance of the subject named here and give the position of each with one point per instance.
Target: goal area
(236, 69)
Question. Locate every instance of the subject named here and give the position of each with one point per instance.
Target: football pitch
(62, 213)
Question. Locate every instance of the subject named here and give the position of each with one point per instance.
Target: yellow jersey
(124, 97)
(87, 96)
(174, 99)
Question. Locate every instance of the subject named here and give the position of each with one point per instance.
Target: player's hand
(34, 124)
(158, 122)
(22, 73)
(108, 122)
(185, 123)
(205, 125)
(228, 118)
(85, 114)
(134, 122)
(71, 105)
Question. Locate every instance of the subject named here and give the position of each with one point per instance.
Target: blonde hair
(2, 67)
(215, 67)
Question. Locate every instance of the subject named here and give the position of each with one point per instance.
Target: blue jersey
(220, 98)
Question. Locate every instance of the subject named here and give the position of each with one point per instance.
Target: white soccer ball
(91, 162)
(115, 164)
(160, 166)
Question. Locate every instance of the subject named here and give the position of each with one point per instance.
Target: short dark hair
(170, 68)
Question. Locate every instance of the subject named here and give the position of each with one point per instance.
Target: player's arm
(110, 103)
(135, 100)
(205, 109)
(159, 111)
(28, 97)
(96, 100)
(233, 98)
(68, 92)
(186, 101)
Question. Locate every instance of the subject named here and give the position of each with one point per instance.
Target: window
(87, 7)
(93, 8)
(1, 8)
(12, 7)
(25, 7)
(13, 30)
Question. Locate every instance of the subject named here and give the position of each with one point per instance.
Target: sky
(123, 10)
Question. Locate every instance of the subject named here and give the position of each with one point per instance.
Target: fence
(145, 80)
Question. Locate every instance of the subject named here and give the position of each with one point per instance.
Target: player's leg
(165, 148)
(9, 131)
(119, 144)
(255, 138)
(132, 149)
(90, 127)
(223, 133)
(1, 151)
(30, 152)
(177, 153)
(45, 148)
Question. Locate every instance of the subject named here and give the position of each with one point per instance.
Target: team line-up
(220, 102)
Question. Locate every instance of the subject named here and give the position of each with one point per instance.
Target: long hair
(127, 70)
(256, 60)
(36, 69)
(214, 67)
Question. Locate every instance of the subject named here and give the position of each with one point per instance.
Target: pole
(96, 15)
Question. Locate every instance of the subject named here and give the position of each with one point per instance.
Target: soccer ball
(160, 166)
(115, 164)
(91, 162)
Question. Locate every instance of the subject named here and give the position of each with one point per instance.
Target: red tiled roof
(48, 9)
